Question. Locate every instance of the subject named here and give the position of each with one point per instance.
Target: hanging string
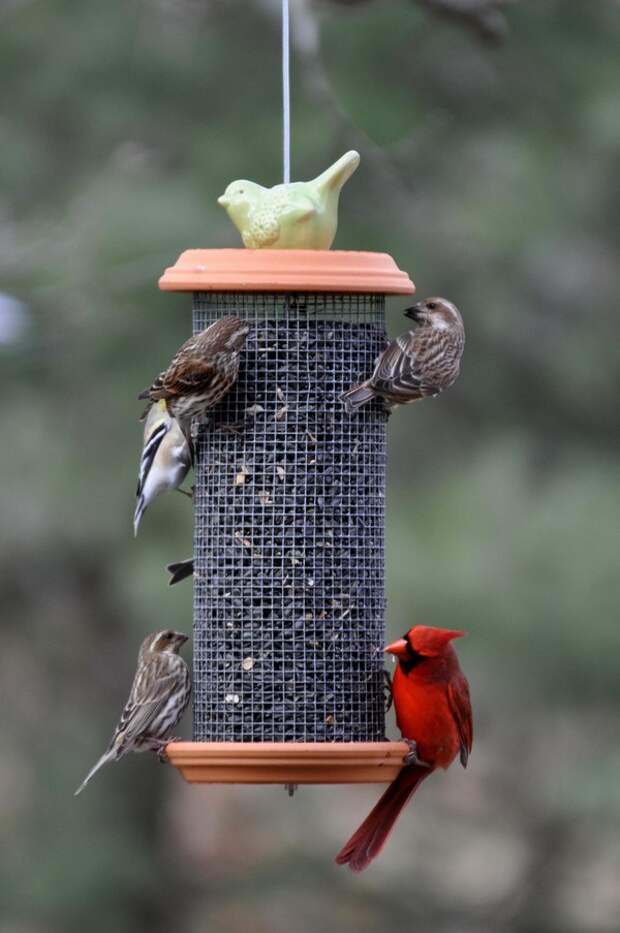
(286, 94)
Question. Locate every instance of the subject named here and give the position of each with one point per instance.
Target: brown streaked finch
(422, 362)
(165, 461)
(201, 372)
(158, 698)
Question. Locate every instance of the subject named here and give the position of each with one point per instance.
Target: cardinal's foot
(411, 758)
(387, 690)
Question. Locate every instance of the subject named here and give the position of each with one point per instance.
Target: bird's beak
(223, 200)
(181, 639)
(414, 312)
(398, 647)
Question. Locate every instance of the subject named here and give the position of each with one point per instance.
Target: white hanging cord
(286, 94)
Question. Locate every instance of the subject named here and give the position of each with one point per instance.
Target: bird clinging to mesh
(422, 362)
(159, 696)
(201, 372)
(165, 461)
(297, 215)
(433, 712)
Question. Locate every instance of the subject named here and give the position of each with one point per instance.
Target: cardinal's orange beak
(398, 647)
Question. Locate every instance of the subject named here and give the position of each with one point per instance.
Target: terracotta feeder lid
(301, 270)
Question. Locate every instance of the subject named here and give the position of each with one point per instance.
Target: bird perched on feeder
(165, 461)
(201, 372)
(297, 215)
(422, 362)
(433, 712)
(159, 696)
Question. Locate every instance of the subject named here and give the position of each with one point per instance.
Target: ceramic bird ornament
(298, 215)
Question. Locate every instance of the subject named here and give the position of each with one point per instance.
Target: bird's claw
(160, 749)
(387, 690)
(232, 428)
(412, 758)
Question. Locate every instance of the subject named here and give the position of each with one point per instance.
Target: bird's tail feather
(368, 840)
(137, 515)
(110, 755)
(180, 570)
(337, 174)
(356, 397)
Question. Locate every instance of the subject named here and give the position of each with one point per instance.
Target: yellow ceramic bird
(300, 215)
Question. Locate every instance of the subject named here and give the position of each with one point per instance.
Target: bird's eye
(432, 305)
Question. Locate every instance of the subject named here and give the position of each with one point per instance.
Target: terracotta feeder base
(287, 762)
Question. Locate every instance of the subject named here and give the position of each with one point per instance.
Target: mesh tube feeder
(289, 500)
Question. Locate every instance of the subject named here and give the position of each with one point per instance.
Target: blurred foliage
(490, 172)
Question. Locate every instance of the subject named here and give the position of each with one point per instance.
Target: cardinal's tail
(110, 755)
(356, 397)
(366, 843)
(337, 174)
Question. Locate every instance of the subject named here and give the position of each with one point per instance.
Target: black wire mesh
(289, 516)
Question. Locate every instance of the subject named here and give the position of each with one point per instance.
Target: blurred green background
(490, 142)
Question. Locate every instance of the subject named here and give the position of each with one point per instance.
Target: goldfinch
(165, 461)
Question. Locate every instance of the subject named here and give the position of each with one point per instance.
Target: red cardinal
(433, 712)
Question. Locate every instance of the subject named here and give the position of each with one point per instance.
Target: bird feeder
(289, 496)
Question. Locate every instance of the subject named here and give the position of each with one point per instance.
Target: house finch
(180, 570)
(422, 362)
(433, 712)
(159, 696)
(165, 459)
(201, 372)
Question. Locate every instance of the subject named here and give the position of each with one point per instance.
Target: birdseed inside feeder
(289, 524)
